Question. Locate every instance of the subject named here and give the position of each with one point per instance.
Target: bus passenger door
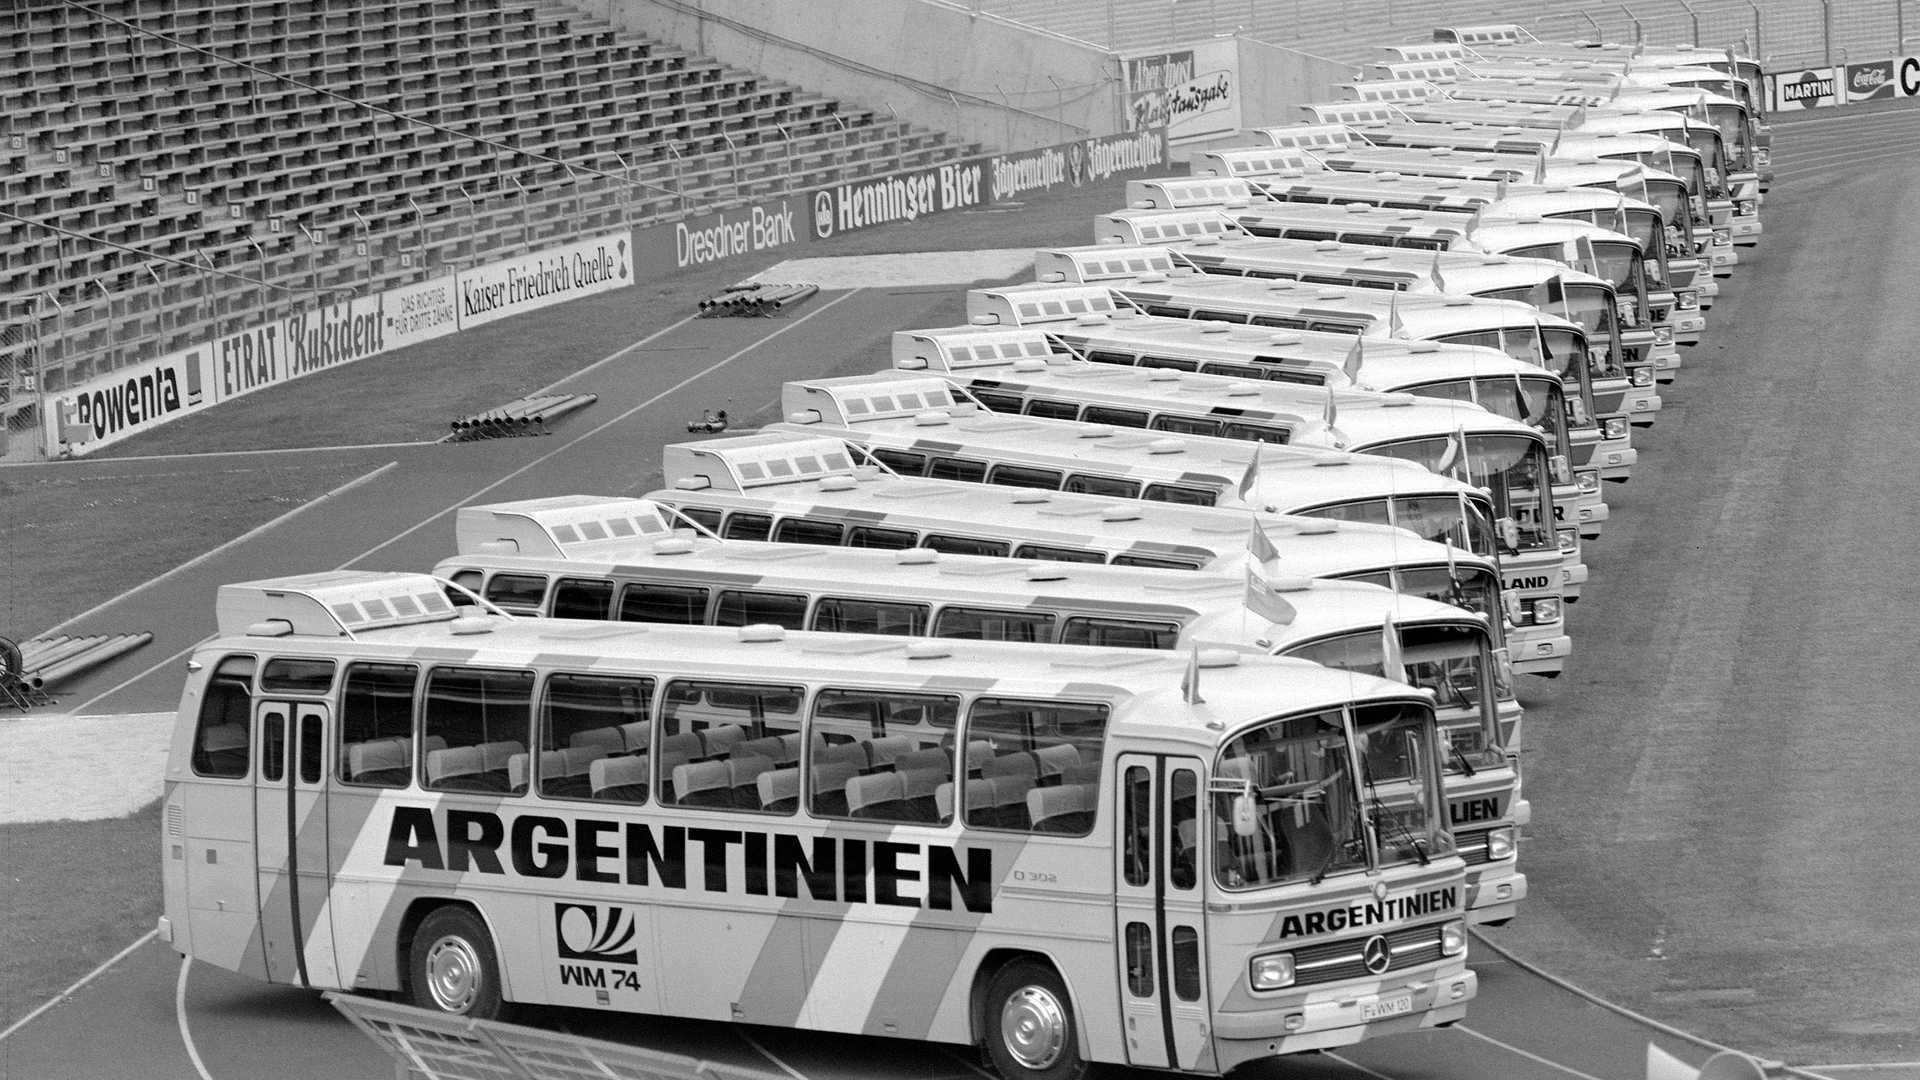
(1159, 908)
(293, 870)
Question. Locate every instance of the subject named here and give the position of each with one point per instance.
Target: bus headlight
(1616, 427)
(1687, 299)
(1499, 843)
(1722, 237)
(1640, 376)
(1453, 938)
(1763, 155)
(1745, 208)
(1562, 472)
(1663, 335)
(1568, 540)
(1273, 971)
(1546, 609)
(1586, 481)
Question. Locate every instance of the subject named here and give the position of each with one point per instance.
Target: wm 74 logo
(591, 932)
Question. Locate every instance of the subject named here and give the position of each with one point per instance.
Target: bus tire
(1031, 1033)
(452, 966)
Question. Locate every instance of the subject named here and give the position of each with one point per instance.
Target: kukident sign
(116, 406)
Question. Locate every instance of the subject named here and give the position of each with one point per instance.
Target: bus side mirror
(1245, 816)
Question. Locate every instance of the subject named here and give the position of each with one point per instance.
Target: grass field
(76, 893)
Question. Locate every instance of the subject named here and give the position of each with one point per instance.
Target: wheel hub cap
(1033, 1027)
(453, 974)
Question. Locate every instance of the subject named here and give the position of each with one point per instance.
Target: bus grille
(1472, 847)
(1341, 960)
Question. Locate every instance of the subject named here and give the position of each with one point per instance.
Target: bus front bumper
(1495, 892)
(1546, 657)
(1321, 1025)
(1617, 465)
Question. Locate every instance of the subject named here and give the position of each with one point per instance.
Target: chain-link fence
(19, 380)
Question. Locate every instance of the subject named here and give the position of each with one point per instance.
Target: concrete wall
(980, 78)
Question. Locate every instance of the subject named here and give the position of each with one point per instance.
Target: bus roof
(562, 524)
(1317, 547)
(1289, 479)
(1144, 686)
(1212, 607)
(1458, 270)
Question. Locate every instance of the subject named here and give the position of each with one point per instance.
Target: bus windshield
(1450, 661)
(1535, 402)
(1430, 517)
(1298, 776)
(1590, 306)
(1511, 468)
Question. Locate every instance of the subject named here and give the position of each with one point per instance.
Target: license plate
(1385, 1007)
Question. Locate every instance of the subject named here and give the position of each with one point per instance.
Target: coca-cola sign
(1871, 81)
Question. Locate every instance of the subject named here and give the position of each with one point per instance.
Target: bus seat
(1010, 800)
(790, 744)
(918, 787)
(566, 772)
(680, 747)
(1306, 840)
(496, 754)
(1063, 809)
(377, 761)
(462, 768)
(885, 750)
(721, 736)
(1018, 763)
(875, 795)
(620, 779)
(608, 737)
(979, 752)
(767, 746)
(228, 737)
(517, 769)
(779, 789)
(851, 753)
(930, 758)
(433, 742)
(1085, 772)
(636, 734)
(979, 793)
(703, 783)
(827, 791)
(746, 771)
(1054, 760)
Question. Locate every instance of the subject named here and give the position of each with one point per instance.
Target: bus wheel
(1031, 1034)
(452, 967)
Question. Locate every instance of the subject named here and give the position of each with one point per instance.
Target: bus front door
(292, 867)
(1159, 908)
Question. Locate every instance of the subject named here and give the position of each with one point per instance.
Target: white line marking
(75, 988)
(204, 556)
(768, 1054)
(1354, 1065)
(612, 356)
(196, 454)
(569, 444)
(180, 1014)
(1530, 1056)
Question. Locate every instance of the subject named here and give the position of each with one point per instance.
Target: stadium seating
(184, 168)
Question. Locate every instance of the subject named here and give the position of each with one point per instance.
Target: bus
(918, 593)
(731, 487)
(1671, 175)
(1042, 383)
(1255, 859)
(1518, 329)
(915, 425)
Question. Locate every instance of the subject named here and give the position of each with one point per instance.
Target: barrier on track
(428, 1045)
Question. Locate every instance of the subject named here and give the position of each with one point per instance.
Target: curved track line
(769, 1055)
(84, 980)
(180, 1015)
(1354, 1065)
(1526, 1054)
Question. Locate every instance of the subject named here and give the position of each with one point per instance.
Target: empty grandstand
(176, 171)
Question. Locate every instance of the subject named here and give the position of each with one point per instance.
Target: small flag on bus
(1355, 358)
(1190, 682)
(1393, 663)
(1250, 479)
(1395, 328)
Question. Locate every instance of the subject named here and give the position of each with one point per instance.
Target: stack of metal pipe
(523, 416)
(749, 298)
(48, 661)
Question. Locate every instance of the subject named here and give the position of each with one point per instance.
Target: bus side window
(745, 526)
(868, 536)
(583, 598)
(1044, 772)
(739, 607)
(1057, 554)
(1265, 433)
(1174, 493)
(853, 616)
(942, 468)
(1238, 371)
(1156, 563)
(719, 739)
(894, 758)
(1423, 243)
(966, 545)
(1107, 414)
(1103, 485)
(706, 517)
(987, 624)
(596, 734)
(483, 717)
(803, 531)
(904, 462)
(1108, 356)
(526, 593)
(376, 724)
(1186, 425)
(1219, 316)
(469, 580)
(1173, 362)
(222, 737)
(1333, 328)
(680, 605)
(1025, 476)
(1282, 321)
(1053, 410)
(1118, 633)
(997, 400)
(296, 675)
